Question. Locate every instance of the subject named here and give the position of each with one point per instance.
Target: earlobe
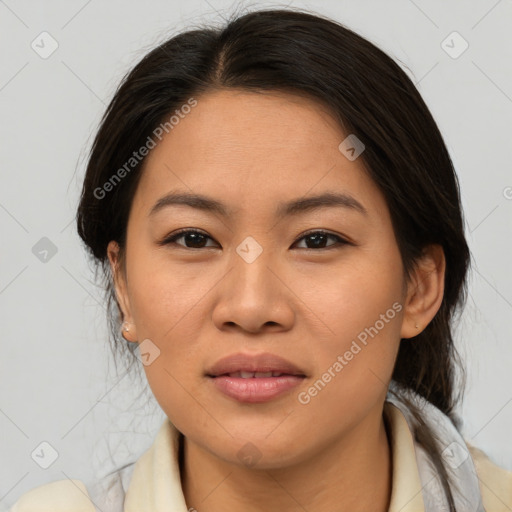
(128, 330)
(425, 291)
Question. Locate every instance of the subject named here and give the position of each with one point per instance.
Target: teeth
(250, 375)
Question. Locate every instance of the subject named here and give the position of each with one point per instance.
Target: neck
(349, 474)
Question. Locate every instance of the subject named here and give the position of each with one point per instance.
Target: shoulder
(495, 481)
(105, 493)
(61, 495)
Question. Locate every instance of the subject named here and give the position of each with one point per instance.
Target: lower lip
(255, 389)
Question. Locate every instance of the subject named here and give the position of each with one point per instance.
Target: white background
(57, 380)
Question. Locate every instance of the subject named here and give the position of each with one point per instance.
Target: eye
(197, 239)
(192, 236)
(318, 239)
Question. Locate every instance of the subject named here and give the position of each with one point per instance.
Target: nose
(254, 297)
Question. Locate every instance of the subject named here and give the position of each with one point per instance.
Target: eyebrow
(284, 209)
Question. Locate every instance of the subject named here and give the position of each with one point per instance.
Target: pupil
(316, 238)
(194, 237)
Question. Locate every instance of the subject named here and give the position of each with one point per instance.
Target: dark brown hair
(367, 92)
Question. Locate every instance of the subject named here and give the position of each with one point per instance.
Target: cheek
(361, 312)
(355, 364)
(167, 310)
(353, 296)
(164, 295)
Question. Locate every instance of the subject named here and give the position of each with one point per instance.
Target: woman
(279, 225)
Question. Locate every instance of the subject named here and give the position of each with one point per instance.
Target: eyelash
(179, 234)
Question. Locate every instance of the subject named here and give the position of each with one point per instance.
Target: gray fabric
(455, 454)
(107, 494)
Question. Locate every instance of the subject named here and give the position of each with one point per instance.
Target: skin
(251, 151)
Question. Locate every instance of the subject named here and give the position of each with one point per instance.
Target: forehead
(253, 148)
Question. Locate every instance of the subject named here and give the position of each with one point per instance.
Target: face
(321, 287)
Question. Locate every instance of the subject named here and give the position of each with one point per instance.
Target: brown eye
(318, 239)
(193, 239)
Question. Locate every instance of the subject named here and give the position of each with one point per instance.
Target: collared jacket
(152, 483)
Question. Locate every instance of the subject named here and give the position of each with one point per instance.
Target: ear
(424, 291)
(121, 290)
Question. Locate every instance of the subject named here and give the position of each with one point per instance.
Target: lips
(254, 379)
(254, 366)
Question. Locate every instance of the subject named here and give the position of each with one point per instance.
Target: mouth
(264, 365)
(254, 378)
(256, 375)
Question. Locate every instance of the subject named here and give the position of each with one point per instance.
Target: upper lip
(253, 363)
